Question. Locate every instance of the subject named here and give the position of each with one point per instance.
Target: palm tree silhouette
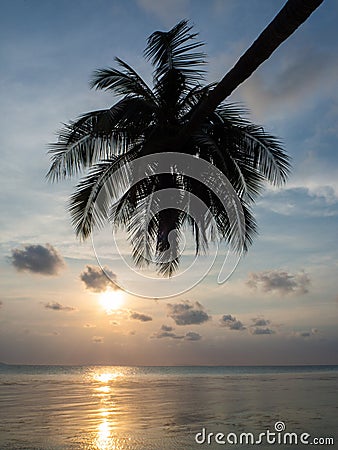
(178, 114)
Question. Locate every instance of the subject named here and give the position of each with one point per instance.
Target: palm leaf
(171, 50)
(126, 82)
(85, 210)
(98, 135)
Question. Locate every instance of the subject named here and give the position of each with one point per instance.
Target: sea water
(166, 408)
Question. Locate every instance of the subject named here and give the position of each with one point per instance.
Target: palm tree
(175, 115)
(289, 18)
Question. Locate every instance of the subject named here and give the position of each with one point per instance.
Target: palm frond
(267, 154)
(98, 135)
(169, 237)
(142, 231)
(169, 91)
(256, 148)
(76, 149)
(126, 82)
(85, 209)
(192, 99)
(172, 50)
(219, 147)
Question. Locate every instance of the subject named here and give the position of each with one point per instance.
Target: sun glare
(111, 301)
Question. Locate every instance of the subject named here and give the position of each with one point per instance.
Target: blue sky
(281, 304)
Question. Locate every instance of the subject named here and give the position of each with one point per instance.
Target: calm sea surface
(163, 408)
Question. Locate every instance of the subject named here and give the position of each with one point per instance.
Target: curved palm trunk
(290, 17)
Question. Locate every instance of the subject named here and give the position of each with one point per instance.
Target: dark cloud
(192, 336)
(187, 313)
(97, 279)
(231, 322)
(98, 339)
(55, 306)
(139, 316)
(260, 322)
(166, 328)
(261, 326)
(263, 331)
(44, 260)
(168, 332)
(279, 281)
(306, 334)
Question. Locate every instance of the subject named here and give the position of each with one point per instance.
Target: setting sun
(111, 300)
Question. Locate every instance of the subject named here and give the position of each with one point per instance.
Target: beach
(134, 408)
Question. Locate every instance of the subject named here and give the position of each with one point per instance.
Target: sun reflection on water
(106, 434)
(105, 377)
(103, 440)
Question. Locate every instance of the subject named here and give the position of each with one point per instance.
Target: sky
(280, 305)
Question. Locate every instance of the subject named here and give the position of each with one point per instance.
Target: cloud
(192, 336)
(260, 322)
(168, 332)
(302, 76)
(97, 279)
(306, 334)
(261, 326)
(166, 328)
(55, 306)
(231, 322)
(98, 339)
(166, 11)
(187, 313)
(37, 258)
(139, 316)
(263, 331)
(279, 281)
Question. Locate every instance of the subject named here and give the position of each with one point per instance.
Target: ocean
(167, 408)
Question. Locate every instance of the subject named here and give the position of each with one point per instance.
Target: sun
(111, 300)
